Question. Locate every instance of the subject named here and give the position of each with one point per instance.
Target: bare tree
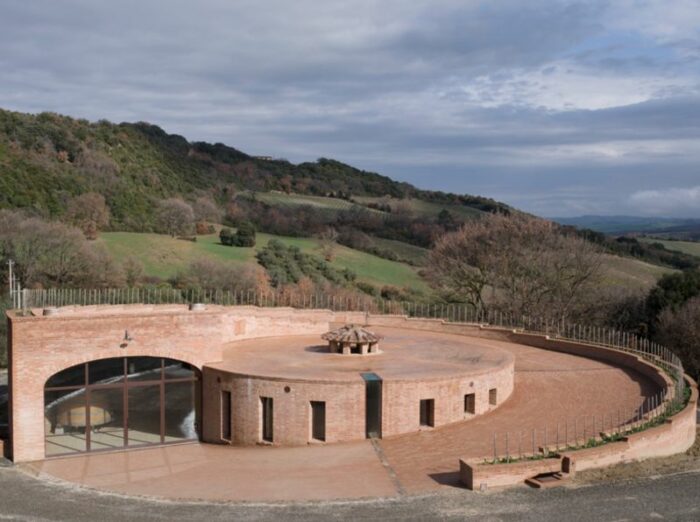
(133, 270)
(206, 210)
(328, 243)
(89, 212)
(54, 254)
(216, 275)
(532, 267)
(174, 217)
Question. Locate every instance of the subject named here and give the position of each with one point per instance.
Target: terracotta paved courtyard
(549, 388)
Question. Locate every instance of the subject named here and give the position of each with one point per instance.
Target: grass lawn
(162, 256)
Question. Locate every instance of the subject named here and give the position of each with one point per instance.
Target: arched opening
(122, 402)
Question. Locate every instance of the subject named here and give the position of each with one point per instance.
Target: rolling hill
(162, 256)
(620, 225)
(46, 159)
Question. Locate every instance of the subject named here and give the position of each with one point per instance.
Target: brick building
(98, 378)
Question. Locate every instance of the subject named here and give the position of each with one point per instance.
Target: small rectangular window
(226, 415)
(318, 420)
(470, 403)
(493, 396)
(427, 412)
(267, 415)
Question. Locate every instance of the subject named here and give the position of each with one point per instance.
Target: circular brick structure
(291, 390)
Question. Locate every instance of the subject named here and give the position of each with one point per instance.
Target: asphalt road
(674, 497)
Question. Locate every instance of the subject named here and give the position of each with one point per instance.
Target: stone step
(548, 480)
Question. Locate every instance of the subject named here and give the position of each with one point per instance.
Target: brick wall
(345, 408)
(43, 346)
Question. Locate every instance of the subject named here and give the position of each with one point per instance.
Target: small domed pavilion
(352, 339)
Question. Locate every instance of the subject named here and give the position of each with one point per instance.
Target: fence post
(495, 458)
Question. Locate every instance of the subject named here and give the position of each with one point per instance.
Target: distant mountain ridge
(621, 225)
(47, 158)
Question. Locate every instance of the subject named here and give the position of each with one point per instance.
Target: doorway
(318, 420)
(373, 405)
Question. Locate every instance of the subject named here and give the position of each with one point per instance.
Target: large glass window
(180, 422)
(121, 402)
(64, 421)
(145, 415)
(106, 418)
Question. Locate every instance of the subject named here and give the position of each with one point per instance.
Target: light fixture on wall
(127, 339)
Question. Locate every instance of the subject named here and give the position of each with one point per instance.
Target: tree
(174, 217)
(206, 210)
(328, 243)
(133, 270)
(226, 236)
(243, 237)
(446, 220)
(245, 234)
(679, 330)
(215, 275)
(89, 212)
(53, 254)
(530, 265)
(672, 291)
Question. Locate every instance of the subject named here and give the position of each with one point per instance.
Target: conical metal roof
(351, 333)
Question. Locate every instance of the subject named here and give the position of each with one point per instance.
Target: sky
(558, 108)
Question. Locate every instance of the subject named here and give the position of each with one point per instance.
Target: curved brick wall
(41, 346)
(345, 404)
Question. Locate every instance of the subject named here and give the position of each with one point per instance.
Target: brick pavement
(549, 387)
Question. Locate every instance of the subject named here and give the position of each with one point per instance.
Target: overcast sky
(559, 108)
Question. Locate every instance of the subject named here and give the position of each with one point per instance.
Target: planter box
(480, 475)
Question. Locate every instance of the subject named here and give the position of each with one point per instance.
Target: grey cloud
(376, 84)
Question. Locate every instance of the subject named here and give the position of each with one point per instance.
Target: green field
(687, 247)
(162, 256)
(631, 273)
(425, 208)
(413, 206)
(282, 199)
(411, 253)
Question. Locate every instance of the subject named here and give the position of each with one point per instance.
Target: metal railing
(582, 431)
(451, 313)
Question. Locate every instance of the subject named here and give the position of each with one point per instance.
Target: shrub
(226, 236)
(243, 237)
(288, 264)
(203, 228)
